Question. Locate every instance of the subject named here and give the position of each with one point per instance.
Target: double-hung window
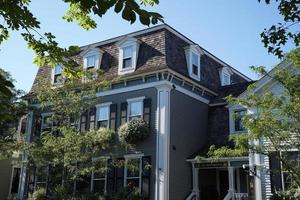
(133, 172)
(238, 116)
(135, 108)
(41, 177)
(127, 57)
(193, 57)
(47, 123)
(99, 176)
(57, 74)
(103, 116)
(91, 62)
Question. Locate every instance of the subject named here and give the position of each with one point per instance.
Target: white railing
(240, 196)
(192, 196)
(228, 196)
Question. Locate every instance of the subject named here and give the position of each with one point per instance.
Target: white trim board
(149, 85)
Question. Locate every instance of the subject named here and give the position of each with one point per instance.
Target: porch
(222, 179)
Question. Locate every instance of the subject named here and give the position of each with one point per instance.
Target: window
(99, 176)
(47, 122)
(225, 75)
(15, 180)
(103, 116)
(57, 74)
(292, 159)
(41, 177)
(238, 115)
(135, 108)
(128, 55)
(91, 62)
(193, 56)
(133, 172)
(195, 64)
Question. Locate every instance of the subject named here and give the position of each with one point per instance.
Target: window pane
(58, 69)
(103, 113)
(195, 59)
(103, 124)
(195, 69)
(127, 63)
(91, 61)
(226, 78)
(99, 186)
(127, 52)
(238, 120)
(133, 182)
(133, 168)
(135, 108)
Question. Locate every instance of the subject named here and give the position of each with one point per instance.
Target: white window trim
(188, 54)
(222, 72)
(98, 106)
(43, 116)
(53, 74)
(137, 99)
(105, 178)
(41, 182)
(232, 110)
(128, 42)
(93, 52)
(132, 157)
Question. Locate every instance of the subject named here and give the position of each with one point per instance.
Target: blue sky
(229, 29)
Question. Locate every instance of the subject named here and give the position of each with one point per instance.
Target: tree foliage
(278, 35)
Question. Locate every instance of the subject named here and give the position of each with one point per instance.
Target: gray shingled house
(178, 87)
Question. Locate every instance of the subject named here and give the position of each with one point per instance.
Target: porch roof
(219, 162)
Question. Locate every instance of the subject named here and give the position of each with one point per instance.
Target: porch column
(196, 182)
(22, 183)
(231, 179)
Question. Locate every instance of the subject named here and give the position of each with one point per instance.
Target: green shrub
(39, 194)
(134, 131)
(127, 193)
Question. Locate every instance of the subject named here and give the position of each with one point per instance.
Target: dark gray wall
(148, 147)
(188, 134)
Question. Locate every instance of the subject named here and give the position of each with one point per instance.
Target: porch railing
(240, 196)
(236, 196)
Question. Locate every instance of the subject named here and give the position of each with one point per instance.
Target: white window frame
(189, 51)
(41, 182)
(99, 179)
(134, 100)
(43, 116)
(225, 71)
(132, 157)
(94, 52)
(53, 74)
(232, 110)
(134, 44)
(98, 107)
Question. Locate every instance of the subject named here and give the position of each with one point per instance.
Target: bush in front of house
(39, 194)
(127, 193)
(134, 131)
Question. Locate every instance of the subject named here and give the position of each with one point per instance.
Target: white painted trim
(163, 143)
(98, 107)
(103, 104)
(132, 157)
(232, 110)
(189, 51)
(92, 52)
(93, 174)
(136, 99)
(125, 43)
(149, 85)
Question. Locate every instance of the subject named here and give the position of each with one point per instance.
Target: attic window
(128, 55)
(92, 59)
(225, 76)
(57, 74)
(193, 56)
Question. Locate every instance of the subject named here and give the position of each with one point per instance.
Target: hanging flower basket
(134, 131)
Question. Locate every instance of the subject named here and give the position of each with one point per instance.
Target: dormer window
(57, 74)
(128, 55)
(92, 58)
(193, 54)
(225, 76)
